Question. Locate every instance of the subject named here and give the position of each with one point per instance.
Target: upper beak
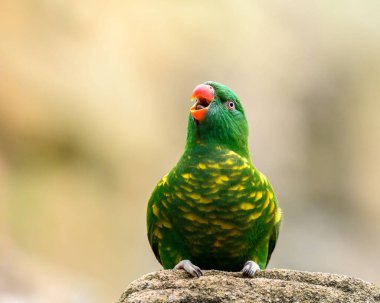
(203, 95)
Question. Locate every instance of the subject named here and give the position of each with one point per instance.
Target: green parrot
(214, 209)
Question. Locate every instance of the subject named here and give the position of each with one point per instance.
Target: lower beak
(199, 114)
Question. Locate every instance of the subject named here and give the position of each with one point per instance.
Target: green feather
(214, 207)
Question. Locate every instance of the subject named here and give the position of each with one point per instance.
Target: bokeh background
(94, 98)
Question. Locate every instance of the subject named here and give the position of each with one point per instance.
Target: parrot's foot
(250, 268)
(189, 267)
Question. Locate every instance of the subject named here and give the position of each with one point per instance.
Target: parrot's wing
(273, 240)
(152, 213)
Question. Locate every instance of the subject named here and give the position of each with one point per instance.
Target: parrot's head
(217, 117)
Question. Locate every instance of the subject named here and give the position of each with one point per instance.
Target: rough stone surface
(275, 285)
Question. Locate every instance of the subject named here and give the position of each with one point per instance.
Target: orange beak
(203, 95)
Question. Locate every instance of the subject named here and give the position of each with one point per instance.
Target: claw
(190, 268)
(250, 268)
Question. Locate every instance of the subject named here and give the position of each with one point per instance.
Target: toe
(198, 271)
(250, 268)
(190, 268)
(193, 270)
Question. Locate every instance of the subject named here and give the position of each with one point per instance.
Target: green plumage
(214, 207)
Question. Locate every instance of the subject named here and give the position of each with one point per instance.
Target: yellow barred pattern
(221, 204)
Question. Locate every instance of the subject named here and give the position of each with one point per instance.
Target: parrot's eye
(230, 105)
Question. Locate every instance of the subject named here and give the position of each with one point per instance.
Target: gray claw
(190, 268)
(250, 268)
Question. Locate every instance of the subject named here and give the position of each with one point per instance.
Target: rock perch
(274, 285)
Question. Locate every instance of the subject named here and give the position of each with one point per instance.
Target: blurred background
(94, 99)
